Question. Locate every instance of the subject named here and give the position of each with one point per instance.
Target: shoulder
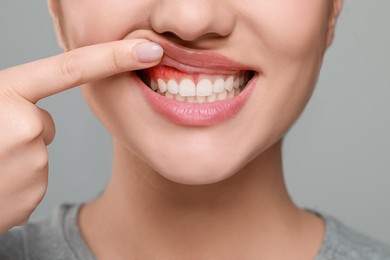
(11, 245)
(44, 240)
(344, 243)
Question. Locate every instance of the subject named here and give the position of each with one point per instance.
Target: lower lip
(197, 114)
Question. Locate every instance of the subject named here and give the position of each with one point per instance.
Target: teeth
(212, 97)
(219, 86)
(223, 95)
(173, 87)
(161, 85)
(187, 88)
(179, 98)
(236, 83)
(204, 91)
(242, 80)
(153, 85)
(169, 95)
(229, 83)
(230, 94)
(190, 99)
(204, 88)
(200, 99)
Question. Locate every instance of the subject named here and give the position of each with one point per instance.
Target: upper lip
(196, 61)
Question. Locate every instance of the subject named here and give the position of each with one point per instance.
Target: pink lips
(195, 114)
(192, 61)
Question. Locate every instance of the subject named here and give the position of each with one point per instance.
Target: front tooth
(173, 87)
(219, 86)
(162, 85)
(229, 83)
(204, 88)
(187, 88)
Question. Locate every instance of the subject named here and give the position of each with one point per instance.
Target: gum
(166, 73)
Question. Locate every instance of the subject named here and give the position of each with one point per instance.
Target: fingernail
(148, 52)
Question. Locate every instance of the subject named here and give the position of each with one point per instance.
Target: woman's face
(218, 121)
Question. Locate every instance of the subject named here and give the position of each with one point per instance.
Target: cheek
(286, 39)
(113, 100)
(96, 21)
(287, 28)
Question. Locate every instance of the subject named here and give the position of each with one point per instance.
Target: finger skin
(39, 79)
(23, 182)
(26, 129)
(49, 128)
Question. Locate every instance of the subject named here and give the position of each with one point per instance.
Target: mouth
(194, 87)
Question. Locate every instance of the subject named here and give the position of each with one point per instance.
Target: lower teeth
(199, 99)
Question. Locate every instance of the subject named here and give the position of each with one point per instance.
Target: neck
(140, 210)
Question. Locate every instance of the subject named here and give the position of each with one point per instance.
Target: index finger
(39, 79)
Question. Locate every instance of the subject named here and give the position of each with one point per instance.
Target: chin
(201, 170)
(196, 175)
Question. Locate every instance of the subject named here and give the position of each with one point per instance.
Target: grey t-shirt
(59, 238)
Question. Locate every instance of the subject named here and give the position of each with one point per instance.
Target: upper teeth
(205, 90)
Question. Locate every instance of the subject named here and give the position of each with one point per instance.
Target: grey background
(337, 156)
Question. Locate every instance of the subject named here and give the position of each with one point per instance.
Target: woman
(197, 96)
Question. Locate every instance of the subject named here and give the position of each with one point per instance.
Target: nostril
(173, 37)
(199, 43)
(170, 35)
(178, 40)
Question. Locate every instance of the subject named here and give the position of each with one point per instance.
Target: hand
(26, 129)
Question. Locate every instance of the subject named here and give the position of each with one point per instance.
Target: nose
(190, 20)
